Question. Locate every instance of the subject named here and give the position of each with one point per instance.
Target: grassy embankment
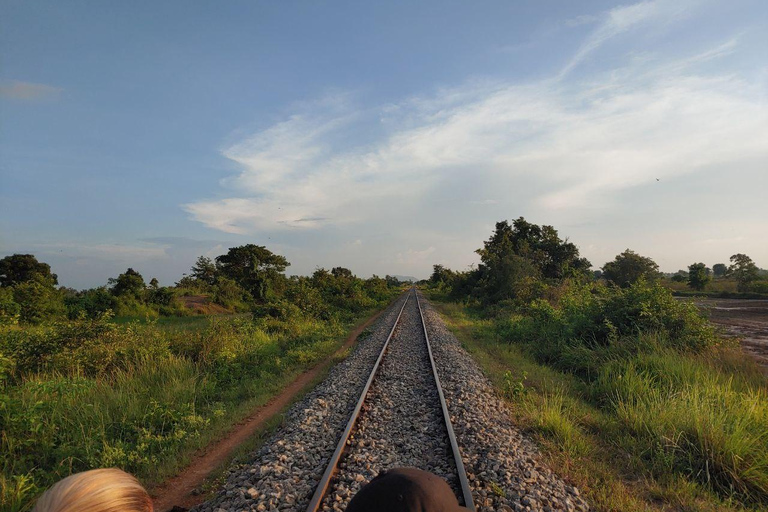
(141, 396)
(662, 418)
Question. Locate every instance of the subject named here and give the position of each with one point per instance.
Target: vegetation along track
(401, 419)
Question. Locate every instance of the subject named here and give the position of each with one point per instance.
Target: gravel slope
(402, 425)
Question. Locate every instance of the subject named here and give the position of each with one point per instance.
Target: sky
(380, 136)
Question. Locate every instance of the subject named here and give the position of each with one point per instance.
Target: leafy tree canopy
(744, 270)
(341, 272)
(129, 283)
(204, 270)
(21, 268)
(629, 267)
(719, 269)
(541, 245)
(698, 276)
(441, 274)
(254, 267)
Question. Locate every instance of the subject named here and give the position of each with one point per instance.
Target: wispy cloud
(622, 19)
(28, 91)
(122, 253)
(580, 141)
(574, 149)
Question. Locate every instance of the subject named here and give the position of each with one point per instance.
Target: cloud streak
(28, 91)
(562, 147)
(581, 141)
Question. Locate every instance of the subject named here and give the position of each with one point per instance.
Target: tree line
(521, 258)
(246, 278)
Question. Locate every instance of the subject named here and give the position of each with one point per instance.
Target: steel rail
(462, 473)
(322, 486)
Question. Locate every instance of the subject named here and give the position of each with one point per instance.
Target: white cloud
(415, 257)
(583, 140)
(565, 149)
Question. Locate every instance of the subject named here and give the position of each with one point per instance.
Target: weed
(497, 490)
(515, 387)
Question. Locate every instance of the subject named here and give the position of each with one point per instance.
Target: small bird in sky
(657, 179)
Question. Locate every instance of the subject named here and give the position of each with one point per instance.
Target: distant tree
(680, 277)
(744, 270)
(204, 270)
(629, 267)
(392, 280)
(540, 245)
(341, 272)
(21, 268)
(597, 274)
(39, 301)
(128, 284)
(253, 267)
(440, 274)
(90, 303)
(719, 269)
(154, 283)
(698, 276)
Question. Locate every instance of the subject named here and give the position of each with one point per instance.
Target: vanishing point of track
(333, 469)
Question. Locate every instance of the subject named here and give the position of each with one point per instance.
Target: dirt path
(177, 492)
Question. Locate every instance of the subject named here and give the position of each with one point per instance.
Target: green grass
(657, 429)
(143, 397)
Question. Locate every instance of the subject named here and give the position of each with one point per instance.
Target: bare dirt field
(747, 319)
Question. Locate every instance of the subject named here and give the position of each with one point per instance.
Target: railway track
(400, 419)
(400, 422)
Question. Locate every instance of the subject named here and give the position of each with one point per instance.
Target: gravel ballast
(401, 425)
(502, 465)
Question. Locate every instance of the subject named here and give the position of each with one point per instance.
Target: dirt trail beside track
(178, 491)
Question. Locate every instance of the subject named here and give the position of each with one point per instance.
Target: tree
(541, 245)
(38, 299)
(205, 270)
(441, 274)
(698, 276)
(744, 270)
(719, 269)
(629, 267)
(253, 267)
(154, 283)
(341, 272)
(130, 283)
(21, 268)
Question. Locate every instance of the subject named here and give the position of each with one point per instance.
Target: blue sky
(384, 136)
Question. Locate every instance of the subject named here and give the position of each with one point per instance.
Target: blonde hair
(98, 490)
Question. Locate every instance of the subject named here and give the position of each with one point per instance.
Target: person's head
(98, 490)
(405, 490)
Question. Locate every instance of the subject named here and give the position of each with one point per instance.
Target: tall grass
(642, 376)
(685, 416)
(85, 394)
